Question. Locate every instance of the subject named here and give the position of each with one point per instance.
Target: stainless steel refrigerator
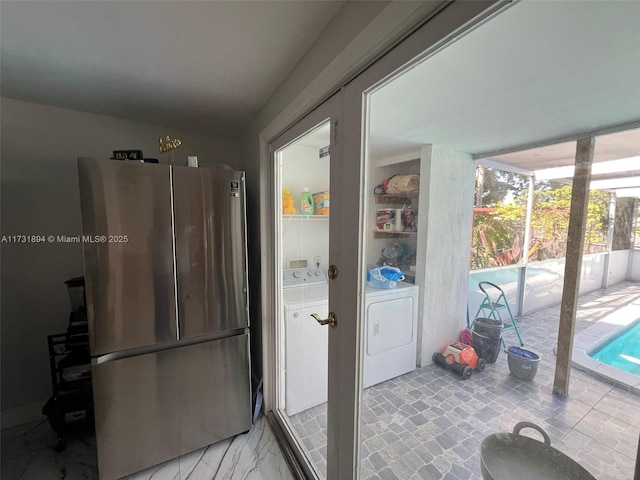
(167, 300)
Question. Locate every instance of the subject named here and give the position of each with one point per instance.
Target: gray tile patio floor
(429, 424)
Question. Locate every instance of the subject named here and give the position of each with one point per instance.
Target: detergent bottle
(288, 203)
(306, 202)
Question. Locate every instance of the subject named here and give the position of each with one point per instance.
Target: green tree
(550, 221)
(494, 185)
(498, 235)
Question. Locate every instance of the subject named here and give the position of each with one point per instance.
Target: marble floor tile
(28, 453)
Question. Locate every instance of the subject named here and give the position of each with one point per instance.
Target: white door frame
(328, 110)
(348, 195)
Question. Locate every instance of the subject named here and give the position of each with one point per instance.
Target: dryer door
(390, 348)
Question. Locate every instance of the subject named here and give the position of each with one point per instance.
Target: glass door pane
(427, 400)
(302, 343)
(394, 234)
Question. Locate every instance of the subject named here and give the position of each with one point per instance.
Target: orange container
(288, 203)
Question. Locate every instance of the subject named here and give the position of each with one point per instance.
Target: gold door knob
(331, 321)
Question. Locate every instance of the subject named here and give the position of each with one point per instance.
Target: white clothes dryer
(390, 337)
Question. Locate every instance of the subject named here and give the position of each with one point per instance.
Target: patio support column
(612, 220)
(527, 246)
(573, 266)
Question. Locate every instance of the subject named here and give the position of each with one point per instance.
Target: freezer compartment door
(128, 254)
(155, 407)
(210, 250)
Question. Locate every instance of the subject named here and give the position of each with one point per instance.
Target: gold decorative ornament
(168, 146)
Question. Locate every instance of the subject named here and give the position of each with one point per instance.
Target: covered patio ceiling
(520, 88)
(616, 162)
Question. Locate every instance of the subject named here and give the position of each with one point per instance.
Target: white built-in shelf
(396, 199)
(392, 234)
(306, 217)
(410, 156)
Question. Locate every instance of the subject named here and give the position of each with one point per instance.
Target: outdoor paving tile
(323, 450)
(366, 469)
(487, 413)
(425, 454)
(442, 422)
(613, 432)
(375, 444)
(411, 441)
(446, 440)
(458, 472)
(316, 456)
(389, 408)
(364, 451)
(409, 426)
(412, 461)
(408, 410)
(377, 461)
(318, 440)
(431, 423)
(322, 469)
(588, 391)
(397, 402)
(369, 417)
(600, 461)
(442, 463)
(388, 474)
(430, 472)
(418, 419)
(311, 426)
(620, 404)
(569, 411)
(473, 465)
(397, 428)
(415, 393)
(389, 437)
(462, 451)
(403, 469)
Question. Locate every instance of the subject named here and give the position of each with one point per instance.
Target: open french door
(314, 367)
(311, 290)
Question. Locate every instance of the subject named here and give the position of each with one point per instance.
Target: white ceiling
(207, 66)
(613, 146)
(539, 70)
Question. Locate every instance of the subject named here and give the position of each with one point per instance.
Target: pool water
(622, 352)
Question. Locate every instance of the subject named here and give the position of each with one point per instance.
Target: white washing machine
(305, 291)
(390, 343)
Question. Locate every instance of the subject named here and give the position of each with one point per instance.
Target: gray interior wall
(359, 32)
(40, 196)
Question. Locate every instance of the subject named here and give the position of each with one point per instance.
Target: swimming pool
(623, 351)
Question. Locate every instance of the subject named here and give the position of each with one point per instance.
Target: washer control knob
(317, 273)
(296, 274)
(309, 274)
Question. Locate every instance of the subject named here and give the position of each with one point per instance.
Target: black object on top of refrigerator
(167, 303)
